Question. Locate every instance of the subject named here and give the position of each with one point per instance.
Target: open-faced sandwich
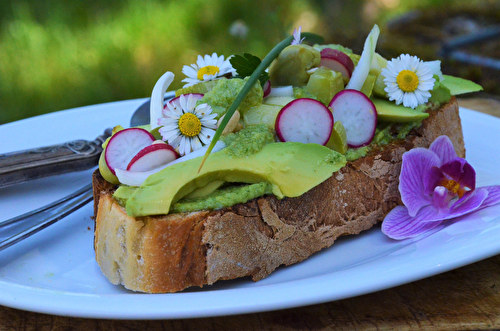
(257, 164)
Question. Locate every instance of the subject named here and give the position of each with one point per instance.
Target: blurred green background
(56, 55)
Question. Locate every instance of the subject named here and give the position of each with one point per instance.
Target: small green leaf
(459, 85)
(245, 66)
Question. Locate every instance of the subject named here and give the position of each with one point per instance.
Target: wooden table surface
(463, 299)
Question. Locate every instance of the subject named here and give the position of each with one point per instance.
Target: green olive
(263, 114)
(338, 139)
(324, 84)
(369, 84)
(291, 66)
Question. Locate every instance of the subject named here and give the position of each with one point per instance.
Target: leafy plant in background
(61, 54)
(116, 51)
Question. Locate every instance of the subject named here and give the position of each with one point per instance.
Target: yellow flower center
(407, 80)
(208, 70)
(453, 187)
(190, 125)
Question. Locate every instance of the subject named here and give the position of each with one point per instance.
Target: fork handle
(22, 166)
(21, 227)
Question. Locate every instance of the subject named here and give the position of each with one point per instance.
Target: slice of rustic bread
(170, 253)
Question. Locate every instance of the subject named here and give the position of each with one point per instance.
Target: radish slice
(267, 88)
(358, 115)
(152, 156)
(136, 178)
(338, 61)
(175, 101)
(124, 145)
(281, 91)
(157, 97)
(363, 68)
(306, 121)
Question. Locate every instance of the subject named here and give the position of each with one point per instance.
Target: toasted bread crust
(170, 253)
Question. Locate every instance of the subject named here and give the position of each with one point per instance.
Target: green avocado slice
(291, 168)
(388, 111)
(459, 85)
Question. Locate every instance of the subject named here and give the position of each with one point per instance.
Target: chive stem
(252, 80)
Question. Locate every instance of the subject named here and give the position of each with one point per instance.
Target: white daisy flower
(207, 68)
(408, 80)
(296, 36)
(187, 127)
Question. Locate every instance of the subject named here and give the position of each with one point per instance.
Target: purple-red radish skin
(161, 153)
(119, 153)
(338, 61)
(267, 88)
(311, 120)
(358, 115)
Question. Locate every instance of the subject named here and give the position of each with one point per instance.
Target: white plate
(55, 272)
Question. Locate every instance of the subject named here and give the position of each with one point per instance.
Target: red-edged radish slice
(304, 120)
(267, 88)
(157, 98)
(136, 178)
(152, 156)
(338, 61)
(124, 145)
(358, 115)
(176, 101)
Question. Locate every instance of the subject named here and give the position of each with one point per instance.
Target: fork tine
(23, 226)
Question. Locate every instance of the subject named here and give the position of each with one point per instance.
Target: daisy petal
(410, 100)
(421, 98)
(184, 145)
(398, 96)
(170, 136)
(189, 71)
(176, 142)
(206, 135)
(200, 62)
(190, 82)
(169, 126)
(195, 143)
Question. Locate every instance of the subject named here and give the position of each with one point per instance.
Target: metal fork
(23, 226)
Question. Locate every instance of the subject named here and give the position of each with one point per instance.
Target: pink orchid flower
(435, 185)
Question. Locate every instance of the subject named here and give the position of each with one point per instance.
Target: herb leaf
(245, 66)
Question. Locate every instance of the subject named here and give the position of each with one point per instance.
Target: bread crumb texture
(169, 253)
